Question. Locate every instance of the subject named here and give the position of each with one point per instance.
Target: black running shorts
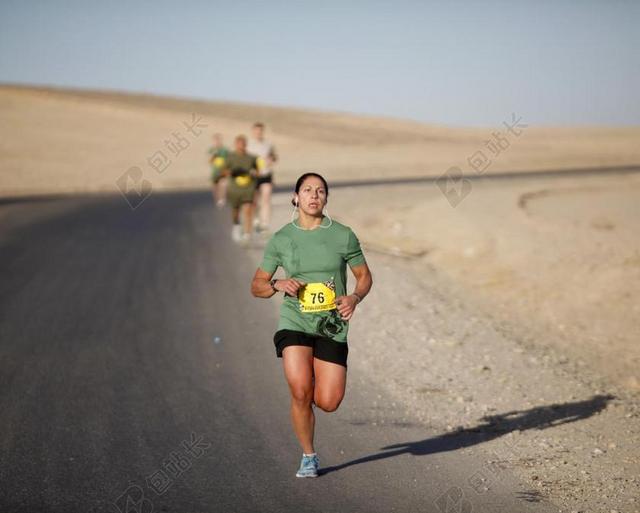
(268, 178)
(323, 348)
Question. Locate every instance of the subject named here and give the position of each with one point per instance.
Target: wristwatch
(273, 284)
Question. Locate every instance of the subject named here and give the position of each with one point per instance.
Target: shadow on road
(491, 427)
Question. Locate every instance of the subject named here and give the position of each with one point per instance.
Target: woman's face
(312, 196)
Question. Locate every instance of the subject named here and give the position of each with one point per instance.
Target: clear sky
(456, 63)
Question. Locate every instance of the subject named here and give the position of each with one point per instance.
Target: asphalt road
(137, 373)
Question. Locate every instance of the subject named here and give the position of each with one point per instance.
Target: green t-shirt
(240, 165)
(218, 152)
(320, 255)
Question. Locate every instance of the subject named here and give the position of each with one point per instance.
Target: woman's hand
(346, 306)
(289, 286)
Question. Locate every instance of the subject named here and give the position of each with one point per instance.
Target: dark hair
(258, 124)
(301, 180)
(241, 138)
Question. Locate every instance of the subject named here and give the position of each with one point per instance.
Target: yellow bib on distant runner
(261, 164)
(218, 162)
(316, 297)
(243, 180)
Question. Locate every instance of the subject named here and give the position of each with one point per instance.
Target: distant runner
(217, 158)
(311, 337)
(266, 153)
(241, 168)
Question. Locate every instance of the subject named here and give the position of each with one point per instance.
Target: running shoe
(245, 239)
(308, 466)
(265, 234)
(236, 233)
(260, 228)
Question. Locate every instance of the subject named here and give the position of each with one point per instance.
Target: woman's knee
(328, 403)
(301, 394)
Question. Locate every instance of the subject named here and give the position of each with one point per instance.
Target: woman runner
(311, 337)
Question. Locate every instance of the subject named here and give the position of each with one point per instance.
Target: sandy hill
(56, 140)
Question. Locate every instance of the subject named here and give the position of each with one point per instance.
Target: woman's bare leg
(221, 188)
(247, 216)
(330, 384)
(256, 200)
(298, 369)
(265, 204)
(235, 215)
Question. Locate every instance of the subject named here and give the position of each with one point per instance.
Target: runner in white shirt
(267, 156)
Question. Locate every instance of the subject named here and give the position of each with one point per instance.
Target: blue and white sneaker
(308, 466)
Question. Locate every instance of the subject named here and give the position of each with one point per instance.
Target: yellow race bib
(316, 297)
(218, 162)
(243, 180)
(261, 164)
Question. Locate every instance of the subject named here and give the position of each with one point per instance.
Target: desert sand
(65, 141)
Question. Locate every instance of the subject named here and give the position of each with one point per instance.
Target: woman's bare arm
(260, 286)
(364, 281)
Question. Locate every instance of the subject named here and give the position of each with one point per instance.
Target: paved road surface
(115, 392)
